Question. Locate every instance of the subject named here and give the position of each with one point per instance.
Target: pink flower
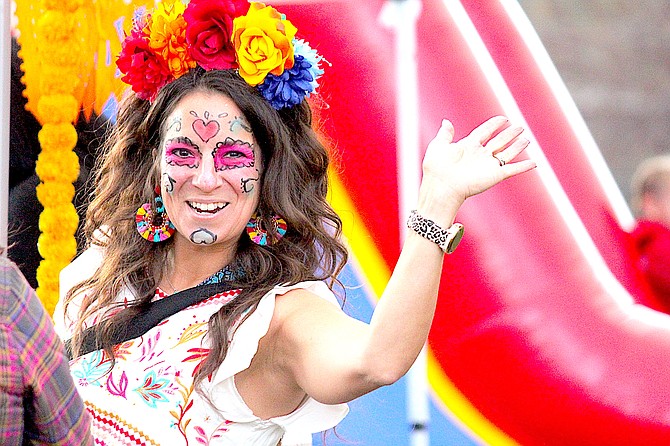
(143, 70)
(209, 30)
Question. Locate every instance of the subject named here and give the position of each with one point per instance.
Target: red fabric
(652, 245)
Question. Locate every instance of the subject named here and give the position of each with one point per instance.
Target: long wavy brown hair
(293, 185)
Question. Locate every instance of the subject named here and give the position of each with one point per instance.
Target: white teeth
(207, 207)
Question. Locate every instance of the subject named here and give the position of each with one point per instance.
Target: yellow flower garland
(57, 43)
(67, 47)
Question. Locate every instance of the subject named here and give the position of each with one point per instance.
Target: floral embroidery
(192, 332)
(152, 391)
(184, 405)
(148, 349)
(198, 354)
(121, 351)
(91, 369)
(118, 389)
(202, 437)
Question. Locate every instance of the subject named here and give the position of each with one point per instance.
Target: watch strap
(446, 239)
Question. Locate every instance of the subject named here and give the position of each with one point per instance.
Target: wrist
(446, 239)
(441, 208)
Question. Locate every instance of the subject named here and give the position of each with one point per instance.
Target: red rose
(208, 31)
(142, 70)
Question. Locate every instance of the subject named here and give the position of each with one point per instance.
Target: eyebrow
(181, 139)
(229, 142)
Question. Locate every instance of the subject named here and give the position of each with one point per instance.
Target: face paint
(181, 151)
(210, 175)
(206, 129)
(168, 183)
(248, 184)
(233, 154)
(175, 125)
(203, 237)
(240, 122)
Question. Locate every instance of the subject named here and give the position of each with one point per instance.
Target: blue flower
(289, 88)
(302, 48)
(294, 85)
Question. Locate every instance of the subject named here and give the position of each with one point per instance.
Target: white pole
(402, 16)
(5, 87)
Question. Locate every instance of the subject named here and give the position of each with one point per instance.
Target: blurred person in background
(650, 188)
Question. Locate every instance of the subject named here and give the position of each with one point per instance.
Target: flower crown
(252, 38)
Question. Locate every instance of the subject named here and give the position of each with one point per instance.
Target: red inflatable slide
(540, 327)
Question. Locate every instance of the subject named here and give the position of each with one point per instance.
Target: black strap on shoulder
(156, 312)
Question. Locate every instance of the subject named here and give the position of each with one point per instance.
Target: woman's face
(210, 169)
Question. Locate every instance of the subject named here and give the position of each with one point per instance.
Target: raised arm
(335, 358)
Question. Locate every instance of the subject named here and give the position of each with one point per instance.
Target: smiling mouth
(206, 208)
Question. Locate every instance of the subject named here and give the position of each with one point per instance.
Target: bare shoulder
(301, 303)
(301, 317)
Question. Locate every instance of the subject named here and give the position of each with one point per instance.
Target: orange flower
(56, 26)
(53, 192)
(167, 36)
(263, 40)
(63, 5)
(58, 137)
(59, 222)
(58, 79)
(58, 108)
(55, 166)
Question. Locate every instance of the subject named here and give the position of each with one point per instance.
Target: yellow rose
(263, 41)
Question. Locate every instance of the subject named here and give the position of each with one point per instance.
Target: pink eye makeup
(233, 154)
(181, 151)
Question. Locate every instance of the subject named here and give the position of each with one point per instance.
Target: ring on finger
(501, 161)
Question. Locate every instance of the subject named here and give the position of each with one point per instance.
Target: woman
(234, 180)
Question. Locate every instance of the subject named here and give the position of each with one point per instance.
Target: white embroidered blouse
(148, 398)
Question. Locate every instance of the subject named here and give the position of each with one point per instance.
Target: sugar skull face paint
(233, 154)
(168, 183)
(203, 237)
(210, 167)
(181, 151)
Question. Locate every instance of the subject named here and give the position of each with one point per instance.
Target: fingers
(446, 131)
(488, 129)
(507, 154)
(518, 167)
(504, 139)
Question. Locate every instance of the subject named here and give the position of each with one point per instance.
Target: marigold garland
(67, 48)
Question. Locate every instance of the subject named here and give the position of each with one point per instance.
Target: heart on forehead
(206, 131)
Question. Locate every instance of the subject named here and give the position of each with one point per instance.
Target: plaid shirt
(38, 401)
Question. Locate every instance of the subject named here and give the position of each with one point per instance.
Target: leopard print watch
(447, 239)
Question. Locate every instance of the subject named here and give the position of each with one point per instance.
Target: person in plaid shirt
(38, 401)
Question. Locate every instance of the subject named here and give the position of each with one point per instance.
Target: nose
(206, 177)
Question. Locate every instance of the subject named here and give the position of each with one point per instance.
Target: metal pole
(402, 17)
(5, 73)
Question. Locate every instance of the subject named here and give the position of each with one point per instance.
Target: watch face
(455, 237)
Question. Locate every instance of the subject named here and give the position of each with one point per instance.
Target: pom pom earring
(154, 226)
(260, 235)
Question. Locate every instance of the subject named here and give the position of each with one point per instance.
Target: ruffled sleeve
(311, 416)
(81, 268)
